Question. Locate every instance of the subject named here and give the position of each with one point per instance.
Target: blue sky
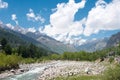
(85, 19)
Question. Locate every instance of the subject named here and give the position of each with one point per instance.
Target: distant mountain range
(51, 43)
(16, 39)
(93, 45)
(114, 40)
(18, 35)
(100, 44)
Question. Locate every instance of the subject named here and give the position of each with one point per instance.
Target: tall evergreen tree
(3, 43)
(32, 50)
(8, 49)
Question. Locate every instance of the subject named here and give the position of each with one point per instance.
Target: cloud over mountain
(103, 16)
(72, 21)
(62, 24)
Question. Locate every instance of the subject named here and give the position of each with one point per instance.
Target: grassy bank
(79, 78)
(9, 61)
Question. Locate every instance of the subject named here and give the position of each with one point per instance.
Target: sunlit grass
(79, 78)
(9, 61)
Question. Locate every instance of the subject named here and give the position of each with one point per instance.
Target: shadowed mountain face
(114, 40)
(51, 43)
(100, 44)
(16, 39)
(93, 45)
(19, 36)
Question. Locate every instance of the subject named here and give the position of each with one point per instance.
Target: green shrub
(78, 78)
(9, 61)
(28, 60)
(112, 74)
(111, 59)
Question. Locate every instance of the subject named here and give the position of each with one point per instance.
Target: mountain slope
(39, 39)
(93, 45)
(16, 39)
(51, 43)
(114, 40)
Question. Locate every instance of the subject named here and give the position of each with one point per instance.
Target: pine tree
(3, 43)
(8, 49)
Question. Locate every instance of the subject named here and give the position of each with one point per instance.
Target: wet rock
(13, 71)
(21, 70)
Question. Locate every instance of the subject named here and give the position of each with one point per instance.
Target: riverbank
(24, 68)
(53, 69)
(70, 68)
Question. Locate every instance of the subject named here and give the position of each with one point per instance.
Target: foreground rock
(69, 68)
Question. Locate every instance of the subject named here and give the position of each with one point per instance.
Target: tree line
(25, 51)
(86, 56)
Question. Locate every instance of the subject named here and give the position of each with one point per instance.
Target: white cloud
(62, 25)
(3, 4)
(32, 29)
(103, 17)
(10, 26)
(75, 41)
(34, 17)
(1, 22)
(14, 18)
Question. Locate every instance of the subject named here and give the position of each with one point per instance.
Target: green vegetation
(31, 51)
(111, 59)
(86, 56)
(11, 57)
(27, 60)
(9, 61)
(79, 78)
(112, 73)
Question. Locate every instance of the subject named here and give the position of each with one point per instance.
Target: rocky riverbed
(52, 69)
(69, 68)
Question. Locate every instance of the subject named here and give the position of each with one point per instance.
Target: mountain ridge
(41, 39)
(93, 45)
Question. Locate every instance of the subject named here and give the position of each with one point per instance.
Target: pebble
(59, 68)
(70, 68)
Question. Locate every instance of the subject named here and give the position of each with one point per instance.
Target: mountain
(114, 40)
(93, 45)
(39, 39)
(51, 43)
(16, 39)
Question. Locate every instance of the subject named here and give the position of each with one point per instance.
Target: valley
(53, 69)
(60, 40)
(40, 57)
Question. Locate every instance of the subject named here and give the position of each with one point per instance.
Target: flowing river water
(37, 71)
(32, 74)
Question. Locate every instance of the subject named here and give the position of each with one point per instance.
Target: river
(30, 75)
(33, 73)
(49, 70)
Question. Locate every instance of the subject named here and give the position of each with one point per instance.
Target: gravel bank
(54, 69)
(69, 68)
